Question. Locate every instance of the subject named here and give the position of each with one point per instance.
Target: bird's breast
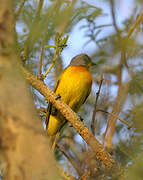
(75, 84)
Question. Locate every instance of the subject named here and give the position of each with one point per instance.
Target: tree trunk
(23, 144)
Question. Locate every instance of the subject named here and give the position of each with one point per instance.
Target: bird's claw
(58, 96)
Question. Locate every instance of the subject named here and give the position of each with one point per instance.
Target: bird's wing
(52, 110)
(87, 95)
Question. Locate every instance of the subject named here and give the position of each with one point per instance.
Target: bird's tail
(53, 140)
(52, 128)
(53, 125)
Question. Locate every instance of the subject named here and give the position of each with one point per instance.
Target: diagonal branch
(71, 116)
(65, 175)
(85, 176)
(75, 165)
(136, 24)
(117, 117)
(120, 99)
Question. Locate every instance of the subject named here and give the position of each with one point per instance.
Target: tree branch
(121, 96)
(70, 159)
(71, 116)
(114, 18)
(85, 176)
(117, 117)
(136, 24)
(122, 91)
(65, 175)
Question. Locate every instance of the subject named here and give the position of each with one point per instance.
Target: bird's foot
(58, 96)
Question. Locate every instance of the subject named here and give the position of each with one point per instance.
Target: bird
(73, 87)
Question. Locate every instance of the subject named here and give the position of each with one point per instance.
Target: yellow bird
(74, 86)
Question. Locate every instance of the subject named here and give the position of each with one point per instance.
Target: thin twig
(49, 46)
(41, 61)
(49, 69)
(110, 128)
(117, 117)
(120, 99)
(136, 24)
(51, 65)
(114, 18)
(60, 44)
(41, 57)
(65, 175)
(70, 159)
(95, 106)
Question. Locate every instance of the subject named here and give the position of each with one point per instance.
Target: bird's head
(82, 60)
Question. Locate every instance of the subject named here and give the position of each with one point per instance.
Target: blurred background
(103, 30)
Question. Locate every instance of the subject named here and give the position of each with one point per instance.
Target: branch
(60, 44)
(122, 91)
(41, 61)
(65, 175)
(121, 96)
(134, 26)
(85, 176)
(95, 106)
(70, 159)
(117, 117)
(114, 18)
(71, 116)
(51, 65)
